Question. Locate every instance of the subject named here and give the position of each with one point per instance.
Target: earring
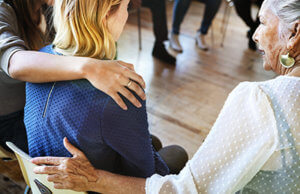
(286, 61)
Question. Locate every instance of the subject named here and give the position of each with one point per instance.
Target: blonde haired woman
(86, 30)
(21, 36)
(113, 139)
(254, 145)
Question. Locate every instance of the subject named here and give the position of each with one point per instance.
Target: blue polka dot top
(112, 139)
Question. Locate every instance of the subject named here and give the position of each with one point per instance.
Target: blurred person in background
(180, 9)
(243, 9)
(160, 28)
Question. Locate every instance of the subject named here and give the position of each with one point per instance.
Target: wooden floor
(184, 101)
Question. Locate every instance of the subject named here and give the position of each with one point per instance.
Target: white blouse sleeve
(242, 139)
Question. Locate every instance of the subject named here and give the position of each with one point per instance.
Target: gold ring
(129, 83)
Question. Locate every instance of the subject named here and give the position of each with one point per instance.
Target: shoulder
(115, 117)
(278, 86)
(7, 13)
(133, 113)
(284, 94)
(281, 93)
(282, 88)
(8, 19)
(243, 91)
(282, 84)
(6, 8)
(111, 105)
(247, 96)
(244, 87)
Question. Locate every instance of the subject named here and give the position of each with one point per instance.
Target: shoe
(175, 157)
(174, 43)
(251, 43)
(200, 42)
(160, 52)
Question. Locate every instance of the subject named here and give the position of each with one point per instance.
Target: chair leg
(223, 25)
(139, 27)
(27, 190)
(225, 21)
(212, 35)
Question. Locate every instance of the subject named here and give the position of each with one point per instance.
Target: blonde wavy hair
(81, 28)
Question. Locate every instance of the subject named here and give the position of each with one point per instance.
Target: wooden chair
(138, 11)
(38, 184)
(226, 17)
(139, 27)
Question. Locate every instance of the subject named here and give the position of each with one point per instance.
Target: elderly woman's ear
(293, 44)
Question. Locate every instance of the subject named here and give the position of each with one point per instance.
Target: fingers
(127, 94)
(47, 161)
(59, 186)
(138, 90)
(72, 149)
(131, 74)
(60, 179)
(124, 81)
(118, 100)
(54, 178)
(63, 185)
(136, 77)
(127, 65)
(46, 170)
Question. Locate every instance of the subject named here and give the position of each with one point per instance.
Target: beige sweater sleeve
(10, 39)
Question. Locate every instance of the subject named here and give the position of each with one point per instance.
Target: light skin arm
(78, 174)
(111, 77)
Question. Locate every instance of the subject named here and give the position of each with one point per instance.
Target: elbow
(15, 69)
(15, 72)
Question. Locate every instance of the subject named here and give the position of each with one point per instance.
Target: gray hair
(288, 11)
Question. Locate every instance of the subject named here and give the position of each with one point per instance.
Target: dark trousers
(12, 129)
(181, 8)
(174, 156)
(243, 9)
(159, 17)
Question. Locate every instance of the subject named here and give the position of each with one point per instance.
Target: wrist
(86, 66)
(98, 184)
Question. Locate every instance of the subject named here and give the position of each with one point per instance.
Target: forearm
(109, 76)
(38, 67)
(113, 183)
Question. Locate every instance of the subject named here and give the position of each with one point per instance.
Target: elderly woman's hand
(113, 78)
(74, 173)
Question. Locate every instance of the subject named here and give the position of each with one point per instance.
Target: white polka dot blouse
(253, 147)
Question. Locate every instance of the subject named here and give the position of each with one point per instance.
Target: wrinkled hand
(74, 173)
(136, 3)
(112, 77)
